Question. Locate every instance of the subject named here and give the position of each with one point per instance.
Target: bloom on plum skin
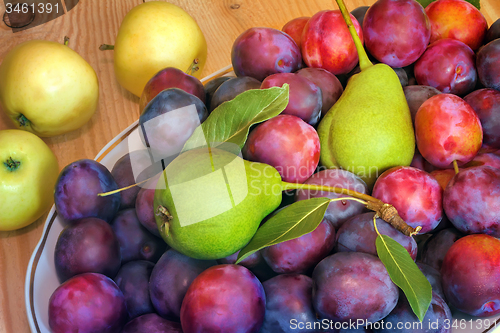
(472, 200)
(288, 144)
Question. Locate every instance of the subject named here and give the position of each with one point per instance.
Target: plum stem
(105, 47)
(385, 211)
(364, 61)
(66, 40)
(455, 166)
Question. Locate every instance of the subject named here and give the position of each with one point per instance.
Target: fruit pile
(216, 225)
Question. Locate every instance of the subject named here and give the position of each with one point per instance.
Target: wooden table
(94, 22)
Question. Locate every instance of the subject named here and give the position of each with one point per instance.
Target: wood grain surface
(94, 22)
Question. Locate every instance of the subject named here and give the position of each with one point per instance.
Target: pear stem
(383, 210)
(455, 166)
(105, 47)
(66, 40)
(312, 187)
(364, 61)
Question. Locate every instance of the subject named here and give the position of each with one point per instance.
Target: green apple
(47, 88)
(155, 35)
(28, 174)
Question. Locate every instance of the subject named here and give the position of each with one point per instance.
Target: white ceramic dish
(41, 278)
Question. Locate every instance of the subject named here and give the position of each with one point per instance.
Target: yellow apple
(28, 174)
(47, 88)
(155, 35)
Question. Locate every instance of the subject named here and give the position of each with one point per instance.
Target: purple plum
(171, 77)
(288, 303)
(136, 242)
(330, 86)
(77, 188)
(434, 277)
(359, 13)
(144, 207)
(171, 278)
(487, 59)
(288, 144)
(402, 319)
(447, 65)
(486, 103)
(232, 88)
(168, 120)
(260, 52)
(416, 95)
(88, 302)
(396, 32)
(493, 32)
(87, 246)
(224, 298)
(489, 159)
(301, 254)
(133, 281)
(358, 235)
(472, 200)
(353, 286)
(437, 245)
(255, 263)
(211, 86)
(151, 323)
(305, 99)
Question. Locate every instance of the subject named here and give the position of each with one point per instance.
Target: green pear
(210, 202)
(369, 129)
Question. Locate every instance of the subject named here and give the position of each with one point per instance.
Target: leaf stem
(375, 225)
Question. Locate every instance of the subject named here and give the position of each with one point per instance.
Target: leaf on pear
(228, 125)
(405, 274)
(291, 222)
(425, 3)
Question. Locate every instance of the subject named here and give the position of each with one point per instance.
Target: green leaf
(405, 274)
(230, 122)
(291, 222)
(425, 3)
